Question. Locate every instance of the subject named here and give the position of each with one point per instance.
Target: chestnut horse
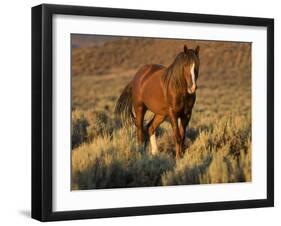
(167, 92)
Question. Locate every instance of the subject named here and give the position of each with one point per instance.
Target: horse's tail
(123, 109)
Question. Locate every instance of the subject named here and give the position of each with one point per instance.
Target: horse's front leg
(184, 120)
(177, 135)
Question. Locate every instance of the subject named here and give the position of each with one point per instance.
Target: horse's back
(147, 87)
(155, 67)
(147, 71)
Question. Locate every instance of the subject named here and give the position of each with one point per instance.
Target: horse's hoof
(179, 156)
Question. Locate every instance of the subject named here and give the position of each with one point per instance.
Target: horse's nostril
(194, 87)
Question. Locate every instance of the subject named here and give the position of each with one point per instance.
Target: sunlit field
(218, 140)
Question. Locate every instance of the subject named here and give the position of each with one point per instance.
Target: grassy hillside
(218, 140)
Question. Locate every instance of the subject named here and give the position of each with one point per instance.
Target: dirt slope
(117, 55)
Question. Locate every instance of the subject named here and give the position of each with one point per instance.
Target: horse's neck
(178, 92)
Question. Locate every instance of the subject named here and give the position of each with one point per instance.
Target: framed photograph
(145, 112)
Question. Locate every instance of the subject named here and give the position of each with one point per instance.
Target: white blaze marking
(192, 74)
(154, 149)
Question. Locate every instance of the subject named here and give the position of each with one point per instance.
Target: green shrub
(219, 155)
(78, 128)
(115, 161)
(89, 125)
(99, 124)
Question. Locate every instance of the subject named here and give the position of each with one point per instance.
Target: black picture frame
(42, 107)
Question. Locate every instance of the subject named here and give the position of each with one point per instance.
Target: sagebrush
(220, 154)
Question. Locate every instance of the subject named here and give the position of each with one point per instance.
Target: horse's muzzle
(192, 89)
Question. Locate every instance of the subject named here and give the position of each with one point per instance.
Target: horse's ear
(197, 50)
(185, 49)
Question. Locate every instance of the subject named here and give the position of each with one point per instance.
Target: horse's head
(191, 68)
(182, 74)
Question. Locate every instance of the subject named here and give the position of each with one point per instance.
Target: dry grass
(218, 141)
(218, 154)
